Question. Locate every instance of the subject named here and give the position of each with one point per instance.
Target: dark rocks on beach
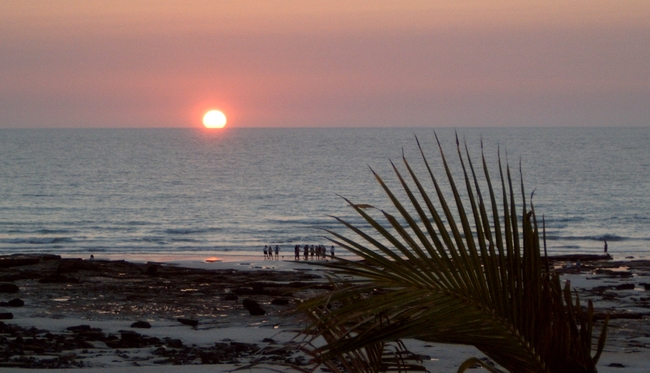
(190, 322)
(152, 270)
(79, 328)
(103, 287)
(6, 315)
(174, 342)
(624, 287)
(58, 279)
(280, 302)
(581, 257)
(8, 288)
(131, 339)
(13, 303)
(253, 307)
(19, 260)
(141, 325)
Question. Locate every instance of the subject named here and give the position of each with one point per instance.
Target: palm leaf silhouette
(466, 272)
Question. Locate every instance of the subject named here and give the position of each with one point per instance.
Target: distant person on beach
(605, 248)
(277, 252)
(306, 249)
(296, 252)
(266, 249)
(332, 251)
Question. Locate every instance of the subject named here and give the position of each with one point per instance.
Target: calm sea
(152, 191)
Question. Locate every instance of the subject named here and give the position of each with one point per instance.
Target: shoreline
(111, 295)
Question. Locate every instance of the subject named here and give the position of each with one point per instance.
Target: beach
(198, 314)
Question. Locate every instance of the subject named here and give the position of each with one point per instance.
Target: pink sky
(350, 63)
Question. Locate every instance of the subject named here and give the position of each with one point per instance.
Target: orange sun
(214, 119)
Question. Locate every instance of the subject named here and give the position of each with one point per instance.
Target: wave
(191, 230)
(36, 241)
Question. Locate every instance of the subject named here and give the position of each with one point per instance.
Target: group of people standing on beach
(318, 251)
(269, 250)
(314, 252)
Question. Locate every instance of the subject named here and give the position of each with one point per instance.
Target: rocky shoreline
(146, 296)
(142, 294)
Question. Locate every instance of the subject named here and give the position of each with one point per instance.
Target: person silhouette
(605, 248)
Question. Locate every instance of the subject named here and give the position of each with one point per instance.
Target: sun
(214, 119)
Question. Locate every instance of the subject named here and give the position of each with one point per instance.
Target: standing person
(277, 252)
(311, 251)
(605, 248)
(296, 252)
(318, 252)
(306, 250)
(266, 249)
(332, 250)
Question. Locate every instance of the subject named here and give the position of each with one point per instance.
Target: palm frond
(466, 272)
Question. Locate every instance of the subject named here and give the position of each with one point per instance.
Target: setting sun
(214, 119)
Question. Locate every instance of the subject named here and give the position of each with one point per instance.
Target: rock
(174, 343)
(8, 288)
(97, 344)
(79, 328)
(190, 322)
(230, 297)
(58, 279)
(130, 339)
(67, 356)
(280, 301)
(625, 287)
(6, 315)
(249, 303)
(151, 270)
(253, 307)
(16, 303)
(616, 365)
(141, 325)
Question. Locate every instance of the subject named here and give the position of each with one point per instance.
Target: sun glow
(214, 119)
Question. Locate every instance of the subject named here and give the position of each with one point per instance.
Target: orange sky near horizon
(74, 63)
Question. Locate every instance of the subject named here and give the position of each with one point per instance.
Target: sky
(335, 63)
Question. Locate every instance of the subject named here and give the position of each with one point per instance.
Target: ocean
(190, 191)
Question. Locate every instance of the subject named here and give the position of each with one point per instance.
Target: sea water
(156, 191)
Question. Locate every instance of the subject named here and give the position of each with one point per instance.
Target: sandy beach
(192, 315)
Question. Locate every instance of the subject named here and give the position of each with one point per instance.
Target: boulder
(174, 343)
(6, 315)
(152, 270)
(253, 307)
(16, 303)
(141, 325)
(190, 322)
(280, 302)
(8, 288)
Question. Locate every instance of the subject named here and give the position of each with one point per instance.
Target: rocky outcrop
(253, 307)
